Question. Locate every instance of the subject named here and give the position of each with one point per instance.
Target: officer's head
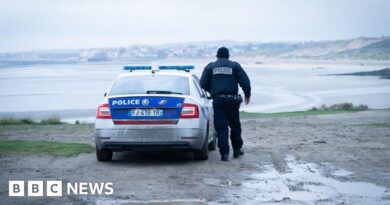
(223, 53)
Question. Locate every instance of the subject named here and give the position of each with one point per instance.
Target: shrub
(54, 120)
(13, 121)
(341, 107)
(27, 121)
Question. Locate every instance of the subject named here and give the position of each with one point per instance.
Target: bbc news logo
(55, 188)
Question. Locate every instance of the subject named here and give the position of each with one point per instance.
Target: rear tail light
(103, 112)
(190, 111)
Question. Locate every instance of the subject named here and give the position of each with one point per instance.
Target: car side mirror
(105, 94)
(208, 96)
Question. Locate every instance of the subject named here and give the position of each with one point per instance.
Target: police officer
(221, 79)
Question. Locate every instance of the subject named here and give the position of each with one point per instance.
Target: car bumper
(129, 139)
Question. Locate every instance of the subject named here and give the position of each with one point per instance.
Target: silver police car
(149, 108)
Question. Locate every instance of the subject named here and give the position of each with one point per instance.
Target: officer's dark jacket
(223, 77)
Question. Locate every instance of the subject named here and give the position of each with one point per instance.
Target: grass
(70, 130)
(333, 109)
(323, 110)
(12, 121)
(54, 120)
(376, 125)
(44, 147)
(290, 114)
(341, 107)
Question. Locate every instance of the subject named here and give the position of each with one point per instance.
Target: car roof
(155, 72)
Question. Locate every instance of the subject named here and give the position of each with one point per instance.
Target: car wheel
(103, 155)
(202, 154)
(213, 144)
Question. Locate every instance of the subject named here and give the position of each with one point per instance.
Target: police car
(149, 108)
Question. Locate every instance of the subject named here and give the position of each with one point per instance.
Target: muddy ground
(324, 159)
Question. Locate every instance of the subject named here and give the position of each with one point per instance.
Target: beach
(323, 159)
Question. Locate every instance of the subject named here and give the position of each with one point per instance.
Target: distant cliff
(362, 48)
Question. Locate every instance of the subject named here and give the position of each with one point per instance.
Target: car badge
(145, 102)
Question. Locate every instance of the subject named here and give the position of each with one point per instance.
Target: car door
(208, 102)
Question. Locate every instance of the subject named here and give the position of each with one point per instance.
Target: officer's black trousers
(226, 113)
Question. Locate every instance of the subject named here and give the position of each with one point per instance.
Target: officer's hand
(247, 100)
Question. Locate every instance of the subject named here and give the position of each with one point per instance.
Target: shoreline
(87, 116)
(64, 115)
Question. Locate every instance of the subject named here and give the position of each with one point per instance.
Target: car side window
(197, 83)
(201, 94)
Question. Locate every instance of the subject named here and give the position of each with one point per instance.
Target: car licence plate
(146, 112)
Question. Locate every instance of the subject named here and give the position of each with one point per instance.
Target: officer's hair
(223, 52)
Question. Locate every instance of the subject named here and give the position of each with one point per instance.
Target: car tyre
(202, 154)
(213, 144)
(103, 155)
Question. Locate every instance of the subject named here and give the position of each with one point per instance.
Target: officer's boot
(225, 157)
(238, 153)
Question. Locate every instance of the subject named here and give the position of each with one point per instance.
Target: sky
(69, 24)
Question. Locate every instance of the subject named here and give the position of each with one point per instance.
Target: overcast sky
(52, 24)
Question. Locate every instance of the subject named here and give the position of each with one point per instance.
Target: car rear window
(145, 84)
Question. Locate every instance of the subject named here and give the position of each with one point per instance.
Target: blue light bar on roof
(137, 67)
(176, 67)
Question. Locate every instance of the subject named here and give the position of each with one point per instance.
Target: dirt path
(341, 158)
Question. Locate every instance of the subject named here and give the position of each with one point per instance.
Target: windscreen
(153, 84)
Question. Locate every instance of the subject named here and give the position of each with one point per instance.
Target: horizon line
(232, 41)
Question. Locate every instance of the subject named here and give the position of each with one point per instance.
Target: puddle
(181, 202)
(301, 183)
(342, 173)
(113, 201)
(304, 182)
(217, 182)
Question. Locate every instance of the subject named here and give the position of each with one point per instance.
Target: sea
(73, 91)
